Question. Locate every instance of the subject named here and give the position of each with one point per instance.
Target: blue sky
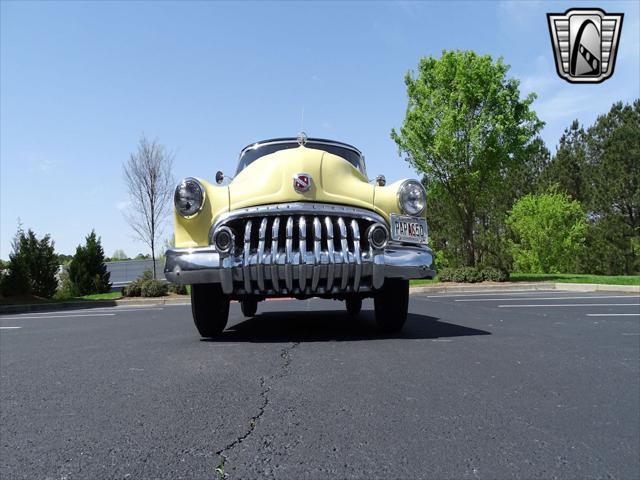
(80, 82)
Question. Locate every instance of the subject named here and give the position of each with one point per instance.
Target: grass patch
(424, 281)
(559, 278)
(101, 296)
(32, 299)
(576, 278)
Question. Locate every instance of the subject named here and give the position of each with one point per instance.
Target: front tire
(391, 304)
(249, 307)
(210, 309)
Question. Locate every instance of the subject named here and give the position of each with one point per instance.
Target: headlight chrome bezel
(203, 197)
(403, 191)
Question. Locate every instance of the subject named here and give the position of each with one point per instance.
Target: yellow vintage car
(299, 219)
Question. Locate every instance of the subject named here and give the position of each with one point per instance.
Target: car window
(251, 154)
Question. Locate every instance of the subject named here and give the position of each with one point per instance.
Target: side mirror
(219, 177)
(381, 181)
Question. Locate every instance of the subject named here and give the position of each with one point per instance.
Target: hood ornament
(302, 139)
(301, 182)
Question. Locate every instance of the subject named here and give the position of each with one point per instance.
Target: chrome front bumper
(303, 273)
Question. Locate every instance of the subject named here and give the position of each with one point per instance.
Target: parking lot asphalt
(481, 385)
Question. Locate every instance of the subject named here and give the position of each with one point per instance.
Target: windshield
(252, 153)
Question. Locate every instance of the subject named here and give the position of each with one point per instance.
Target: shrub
(87, 270)
(178, 289)
(549, 233)
(65, 287)
(470, 275)
(460, 275)
(154, 288)
(134, 289)
(445, 275)
(493, 275)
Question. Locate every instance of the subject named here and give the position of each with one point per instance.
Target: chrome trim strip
(288, 276)
(299, 208)
(317, 239)
(302, 248)
(356, 253)
(261, 240)
(246, 273)
(275, 234)
(344, 244)
(330, 249)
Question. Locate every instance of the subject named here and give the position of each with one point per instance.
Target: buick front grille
(300, 249)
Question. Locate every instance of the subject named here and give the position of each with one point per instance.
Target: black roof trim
(295, 139)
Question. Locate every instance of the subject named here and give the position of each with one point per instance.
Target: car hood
(270, 179)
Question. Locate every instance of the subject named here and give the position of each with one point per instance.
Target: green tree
(549, 232)
(614, 202)
(87, 271)
(568, 170)
(16, 281)
(33, 265)
(467, 130)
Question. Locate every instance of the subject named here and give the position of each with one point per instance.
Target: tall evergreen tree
(87, 272)
(568, 170)
(614, 176)
(33, 265)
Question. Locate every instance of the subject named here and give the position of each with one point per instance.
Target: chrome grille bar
(344, 245)
(288, 277)
(275, 231)
(355, 230)
(331, 268)
(302, 247)
(317, 246)
(261, 239)
(246, 273)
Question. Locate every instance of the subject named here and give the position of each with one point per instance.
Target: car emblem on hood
(301, 182)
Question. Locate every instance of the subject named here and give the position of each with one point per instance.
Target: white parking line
(538, 298)
(62, 316)
(613, 314)
(573, 305)
(73, 312)
(9, 328)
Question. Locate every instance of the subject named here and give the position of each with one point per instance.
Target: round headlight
(412, 198)
(189, 197)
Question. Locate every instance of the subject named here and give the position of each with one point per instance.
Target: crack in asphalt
(285, 354)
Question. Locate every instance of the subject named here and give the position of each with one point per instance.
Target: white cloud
(541, 78)
(564, 104)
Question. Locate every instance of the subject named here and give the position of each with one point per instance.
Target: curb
(522, 286)
(134, 302)
(432, 288)
(481, 287)
(597, 287)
